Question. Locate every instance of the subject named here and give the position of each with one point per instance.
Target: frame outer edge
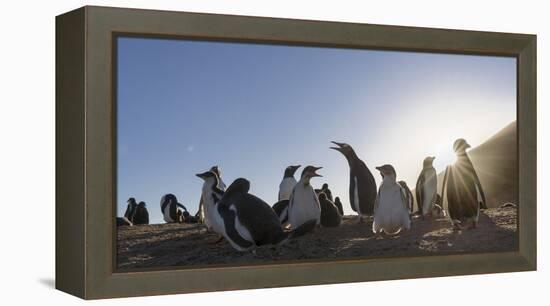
(102, 281)
(70, 89)
(527, 101)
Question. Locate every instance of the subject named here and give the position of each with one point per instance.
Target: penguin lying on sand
(330, 217)
(362, 187)
(304, 203)
(123, 221)
(247, 222)
(391, 214)
(462, 189)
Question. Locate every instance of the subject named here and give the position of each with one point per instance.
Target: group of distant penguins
(247, 221)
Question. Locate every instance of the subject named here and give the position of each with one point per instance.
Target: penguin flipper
(228, 217)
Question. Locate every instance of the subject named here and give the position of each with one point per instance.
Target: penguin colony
(246, 221)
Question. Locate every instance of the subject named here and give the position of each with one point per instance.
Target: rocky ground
(168, 245)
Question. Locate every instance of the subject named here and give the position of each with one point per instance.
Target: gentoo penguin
(246, 221)
(288, 182)
(130, 209)
(391, 214)
(330, 217)
(211, 193)
(172, 211)
(362, 187)
(462, 188)
(303, 203)
(285, 189)
(141, 215)
(426, 187)
(338, 204)
(221, 185)
(408, 195)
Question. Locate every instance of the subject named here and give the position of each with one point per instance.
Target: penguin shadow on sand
(487, 236)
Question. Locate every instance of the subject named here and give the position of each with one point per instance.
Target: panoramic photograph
(241, 153)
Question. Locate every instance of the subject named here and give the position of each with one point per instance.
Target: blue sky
(254, 109)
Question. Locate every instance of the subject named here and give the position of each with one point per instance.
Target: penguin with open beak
(362, 186)
(303, 203)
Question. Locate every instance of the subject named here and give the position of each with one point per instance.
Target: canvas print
(232, 153)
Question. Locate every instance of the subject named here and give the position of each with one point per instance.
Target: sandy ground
(166, 245)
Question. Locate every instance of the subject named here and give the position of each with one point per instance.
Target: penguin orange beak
(339, 146)
(315, 173)
(201, 175)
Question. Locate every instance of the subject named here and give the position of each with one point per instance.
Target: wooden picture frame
(85, 149)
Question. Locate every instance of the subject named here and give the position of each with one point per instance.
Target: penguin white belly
(243, 231)
(285, 188)
(166, 215)
(304, 206)
(430, 189)
(391, 215)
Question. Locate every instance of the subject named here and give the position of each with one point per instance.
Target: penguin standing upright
(409, 196)
(288, 182)
(201, 214)
(130, 209)
(304, 203)
(172, 211)
(462, 189)
(141, 215)
(362, 187)
(330, 216)
(211, 193)
(391, 214)
(338, 204)
(246, 221)
(285, 189)
(426, 187)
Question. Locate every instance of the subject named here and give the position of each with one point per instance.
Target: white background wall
(27, 151)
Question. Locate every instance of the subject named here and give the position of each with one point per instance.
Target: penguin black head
(387, 170)
(167, 197)
(131, 201)
(142, 204)
(325, 186)
(322, 196)
(460, 146)
(240, 185)
(428, 161)
(337, 199)
(291, 170)
(216, 170)
(310, 171)
(343, 148)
